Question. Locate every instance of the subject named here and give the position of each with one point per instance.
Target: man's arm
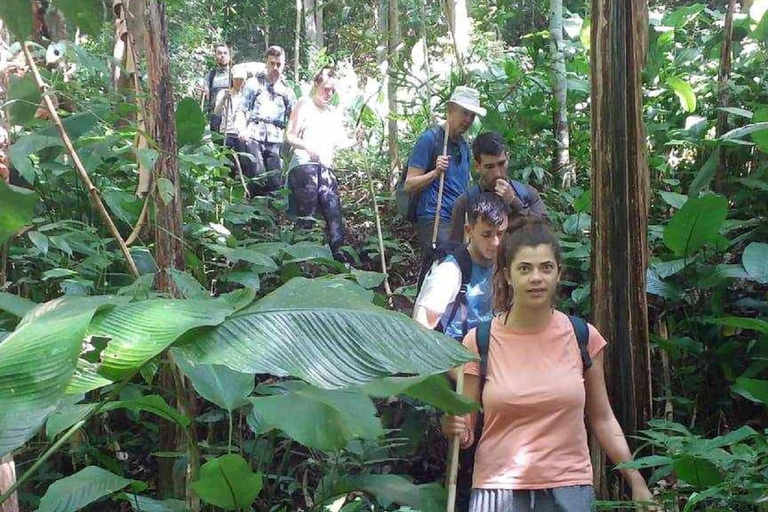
(537, 208)
(457, 218)
(440, 288)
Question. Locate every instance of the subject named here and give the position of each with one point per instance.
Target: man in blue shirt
(427, 164)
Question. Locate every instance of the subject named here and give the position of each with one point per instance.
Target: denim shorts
(575, 498)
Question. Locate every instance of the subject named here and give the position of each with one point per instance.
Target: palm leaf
(324, 333)
(37, 361)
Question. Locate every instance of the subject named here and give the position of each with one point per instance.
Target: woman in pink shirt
(532, 455)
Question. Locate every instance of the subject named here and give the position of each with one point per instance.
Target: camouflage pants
(314, 186)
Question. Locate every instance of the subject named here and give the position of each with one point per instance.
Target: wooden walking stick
(453, 464)
(436, 225)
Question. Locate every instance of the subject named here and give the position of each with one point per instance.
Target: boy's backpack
(483, 339)
(407, 202)
(438, 254)
(521, 191)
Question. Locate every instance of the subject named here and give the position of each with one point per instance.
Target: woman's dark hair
(323, 75)
(522, 232)
(487, 207)
(488, 143)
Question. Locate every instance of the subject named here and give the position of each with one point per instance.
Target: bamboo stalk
(436, 225)
(92, 190)
(387, 288)
(453, 465)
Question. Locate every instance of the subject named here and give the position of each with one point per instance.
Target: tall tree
(392, 48)
(461, 29)
(310, 30)
(620, 189)
(723, 74)
(168, 234)
(297, 43)
(562, 160)
(319, 37)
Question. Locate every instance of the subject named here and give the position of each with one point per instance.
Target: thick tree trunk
(562, 160)
(40, 30)
(297, 43)
(620, 189)
(724, 73)
(393, 42)
(168, 234)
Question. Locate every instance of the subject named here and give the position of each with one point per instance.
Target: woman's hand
(453, 426)
(642, 495)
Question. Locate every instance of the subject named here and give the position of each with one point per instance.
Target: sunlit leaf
(684, 93)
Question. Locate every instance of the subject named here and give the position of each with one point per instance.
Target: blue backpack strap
(521, 191)
(483, 341)
(581, 329)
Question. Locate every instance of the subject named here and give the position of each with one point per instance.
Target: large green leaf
(433, 389)
(325, 333)
(86, 378)
(696, 224)
(698, 472)
(752, 389)
(36, 362)
(387, 489)
(18, 209)
(190, 122)
(684, 93)
(319, 418)
(228, 482)
(755, 261)
(15, 305)
(23, 98)
(141, 330)
(26, 146)
(17, 14)
(218, 384)
(739, 133)
(76, 491)
(761, 137)
(754, 324)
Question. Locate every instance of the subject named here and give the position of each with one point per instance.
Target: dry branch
(93, 192)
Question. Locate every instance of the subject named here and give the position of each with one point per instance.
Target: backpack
(460, 253)
(521, 191)
(407, 202)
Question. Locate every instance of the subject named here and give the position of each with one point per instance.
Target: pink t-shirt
(534, 436)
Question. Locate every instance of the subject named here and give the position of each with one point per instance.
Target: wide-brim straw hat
(468, 98)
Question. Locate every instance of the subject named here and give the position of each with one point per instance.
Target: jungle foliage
(83, 345)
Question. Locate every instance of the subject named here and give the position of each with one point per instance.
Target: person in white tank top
(315, 131)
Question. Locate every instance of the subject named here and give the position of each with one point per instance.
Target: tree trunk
(168, 234)
(620, 190)
(320, 40)
(40, 30)
(310, 31)
(393, 42)
(297, 43)
(461, 29)
(562, 161)
(723, 95)
(424, 42)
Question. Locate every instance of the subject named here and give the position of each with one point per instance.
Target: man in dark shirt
(216, 80)
(490, 154)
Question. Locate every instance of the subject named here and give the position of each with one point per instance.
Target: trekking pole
(436, 225)
(453, 464)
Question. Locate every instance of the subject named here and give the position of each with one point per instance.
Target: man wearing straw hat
(438, 169)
